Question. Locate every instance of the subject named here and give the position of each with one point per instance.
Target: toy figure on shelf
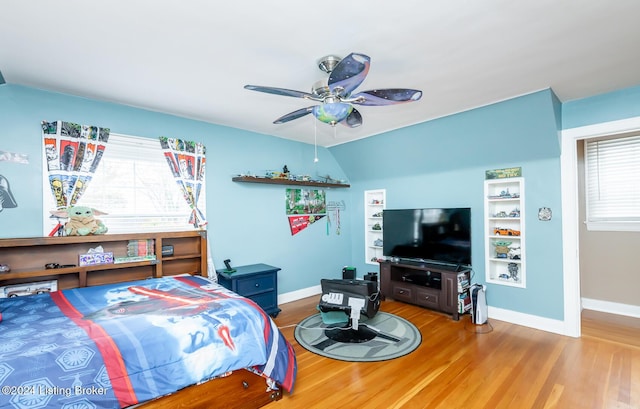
(513, 271)
(502, 248)
(81, 221)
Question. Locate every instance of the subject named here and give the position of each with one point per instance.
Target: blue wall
(608, 107)
(442, 163)
(247, 222)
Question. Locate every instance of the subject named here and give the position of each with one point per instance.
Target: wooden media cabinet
(433, 286)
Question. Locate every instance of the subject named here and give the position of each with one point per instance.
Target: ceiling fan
(335, 96)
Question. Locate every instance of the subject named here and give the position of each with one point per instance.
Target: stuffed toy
(82, 221)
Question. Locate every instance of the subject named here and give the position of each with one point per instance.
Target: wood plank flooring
(462, 365)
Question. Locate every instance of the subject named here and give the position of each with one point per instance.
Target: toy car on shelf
(501, 231)
(505, 194)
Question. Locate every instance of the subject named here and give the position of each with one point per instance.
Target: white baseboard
(299, 294)
(528, 320)
(611, 307)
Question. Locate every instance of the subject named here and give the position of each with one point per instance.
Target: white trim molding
(527, 320)
(570, 222)
(299, 294)
(611, 307)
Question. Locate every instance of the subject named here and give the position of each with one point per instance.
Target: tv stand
(439, 287)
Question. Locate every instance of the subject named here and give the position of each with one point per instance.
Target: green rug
(385, 336)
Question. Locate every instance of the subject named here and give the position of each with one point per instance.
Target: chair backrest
(365, 289)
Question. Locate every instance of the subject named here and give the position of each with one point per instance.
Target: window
(134, 185)
(612, 167)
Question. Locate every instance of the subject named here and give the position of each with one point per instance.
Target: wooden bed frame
(27, 256)
(240, 390)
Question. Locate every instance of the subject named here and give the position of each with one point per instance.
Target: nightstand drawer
(267, 301)
(256, 284)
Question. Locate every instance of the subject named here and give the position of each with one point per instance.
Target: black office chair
(353, 298)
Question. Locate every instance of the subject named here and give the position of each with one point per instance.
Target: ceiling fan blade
(353, 120)
(280, 91)
(349, 73)
(293, 115)
(390, 96)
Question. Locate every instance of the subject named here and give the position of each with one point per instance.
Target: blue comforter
(120, 344)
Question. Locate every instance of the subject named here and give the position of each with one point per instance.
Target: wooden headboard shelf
(27, 258)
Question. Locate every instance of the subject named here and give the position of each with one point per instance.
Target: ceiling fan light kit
(335, 98)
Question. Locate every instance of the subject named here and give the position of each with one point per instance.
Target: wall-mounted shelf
(374, 204)
(272, 181)
(505, 232)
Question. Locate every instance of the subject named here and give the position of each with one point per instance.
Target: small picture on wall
(20, 290)
(306, 201)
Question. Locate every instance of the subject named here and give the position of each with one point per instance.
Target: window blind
(612, 168)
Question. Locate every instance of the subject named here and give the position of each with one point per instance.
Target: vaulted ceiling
(193, 58)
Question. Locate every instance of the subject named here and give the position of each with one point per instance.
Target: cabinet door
(449, 294)
(385, 279)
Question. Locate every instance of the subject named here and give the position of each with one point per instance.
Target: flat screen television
(431, 235)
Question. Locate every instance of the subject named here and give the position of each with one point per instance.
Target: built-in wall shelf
(289, 182)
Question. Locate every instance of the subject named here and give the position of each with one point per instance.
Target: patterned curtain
(73, 154)
(187, 160)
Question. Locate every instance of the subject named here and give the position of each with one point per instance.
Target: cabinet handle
(257, 285)
(401, 291)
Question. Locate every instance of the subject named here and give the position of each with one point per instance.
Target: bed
(178, 341)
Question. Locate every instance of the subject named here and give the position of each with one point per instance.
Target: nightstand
(258, 282)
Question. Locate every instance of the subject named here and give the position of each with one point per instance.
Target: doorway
(570, 224)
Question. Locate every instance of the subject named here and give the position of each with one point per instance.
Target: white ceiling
(192, 58)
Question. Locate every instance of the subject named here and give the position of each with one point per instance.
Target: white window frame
(133, 141)
(602, 164)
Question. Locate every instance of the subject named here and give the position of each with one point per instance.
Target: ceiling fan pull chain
(315, 142)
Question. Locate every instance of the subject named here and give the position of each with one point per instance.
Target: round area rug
(385, 336)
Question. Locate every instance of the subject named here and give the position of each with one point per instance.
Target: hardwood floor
(462, 365)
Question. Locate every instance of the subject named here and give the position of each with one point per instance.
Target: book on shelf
(132, 259)
(142, 247)
(464, 303)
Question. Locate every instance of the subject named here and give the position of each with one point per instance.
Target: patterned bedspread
(120, 344)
